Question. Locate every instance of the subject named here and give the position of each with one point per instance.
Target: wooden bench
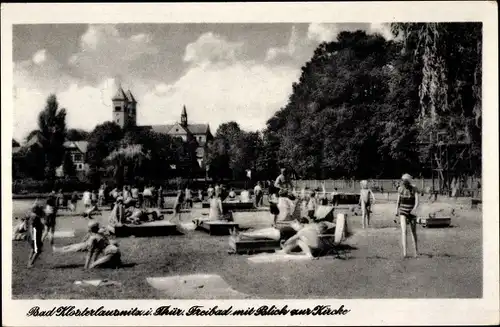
(251, 246)
(154, 228)
(330, 241)
(475, 202)
(217, 227)
(434, 222)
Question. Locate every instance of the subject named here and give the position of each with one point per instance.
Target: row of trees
(361, 109)
(363, 105)
(139, 155)
(126, 156)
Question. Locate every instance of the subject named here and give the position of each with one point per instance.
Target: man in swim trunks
(406, 205)
(95, 244)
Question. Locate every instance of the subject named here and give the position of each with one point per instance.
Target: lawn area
(450, 265)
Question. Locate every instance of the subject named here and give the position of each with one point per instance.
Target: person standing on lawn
(366, 200)
(160, 197)
(178, 206)
(406, 205)
(216, 211)
(188, 198)
(34, 232)
(257, 190)
(50, 217)
(210, 191)
(87, 199)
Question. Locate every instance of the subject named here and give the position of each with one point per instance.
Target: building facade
(125, 116)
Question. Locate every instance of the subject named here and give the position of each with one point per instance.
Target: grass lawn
(450, 265)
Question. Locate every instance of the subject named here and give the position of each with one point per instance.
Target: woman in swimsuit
(406, 204)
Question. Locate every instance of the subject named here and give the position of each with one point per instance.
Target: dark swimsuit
(407, 201)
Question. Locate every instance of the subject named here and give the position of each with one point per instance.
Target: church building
(125, 116)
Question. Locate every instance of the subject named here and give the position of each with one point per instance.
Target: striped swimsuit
(407, 200)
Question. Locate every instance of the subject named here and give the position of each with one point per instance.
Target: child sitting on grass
(95, 243)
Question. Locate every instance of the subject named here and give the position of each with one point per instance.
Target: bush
(30, 186)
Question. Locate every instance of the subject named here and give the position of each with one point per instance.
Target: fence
(469, 188)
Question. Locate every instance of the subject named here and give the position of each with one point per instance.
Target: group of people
(301, 209)
(40, 222)
(150, 196)
(303, 231)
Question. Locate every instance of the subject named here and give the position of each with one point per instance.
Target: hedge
(30, 186)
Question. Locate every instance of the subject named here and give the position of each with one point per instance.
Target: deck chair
(331, 243)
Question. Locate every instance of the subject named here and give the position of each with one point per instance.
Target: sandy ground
(450, 265)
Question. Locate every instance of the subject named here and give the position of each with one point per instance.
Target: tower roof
(120, 95)
(130, 97)
(184, 113)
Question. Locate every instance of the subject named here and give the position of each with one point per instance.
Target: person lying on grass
(95, 243)
(304, 236)
(275, 233)
(307, 239)
(136, 215)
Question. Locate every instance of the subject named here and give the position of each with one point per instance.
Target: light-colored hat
(406, 177)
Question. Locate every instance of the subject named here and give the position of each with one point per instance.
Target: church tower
(120, 108)
(132, 110)
(184, 117)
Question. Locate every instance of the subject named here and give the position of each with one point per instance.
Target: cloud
(289, 49)
(42, 72)
(323, 32)
(383, 29)
(246, 92)
(86, 105)
(40, 56)
(104, 52)
(219, 84)
(212, 48)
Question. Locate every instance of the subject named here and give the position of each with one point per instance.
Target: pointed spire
(184, 117)
(120, 94)
(131, 97)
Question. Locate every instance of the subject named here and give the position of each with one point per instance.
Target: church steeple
(184, 117)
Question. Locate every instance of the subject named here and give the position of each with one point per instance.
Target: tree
(68, 165)
(329, 127)
(52, 128)
(126, 163)
(449, 55)
(226, 151)
(75, 134)
(102, 140)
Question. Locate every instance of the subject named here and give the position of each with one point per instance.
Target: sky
(220, 72)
